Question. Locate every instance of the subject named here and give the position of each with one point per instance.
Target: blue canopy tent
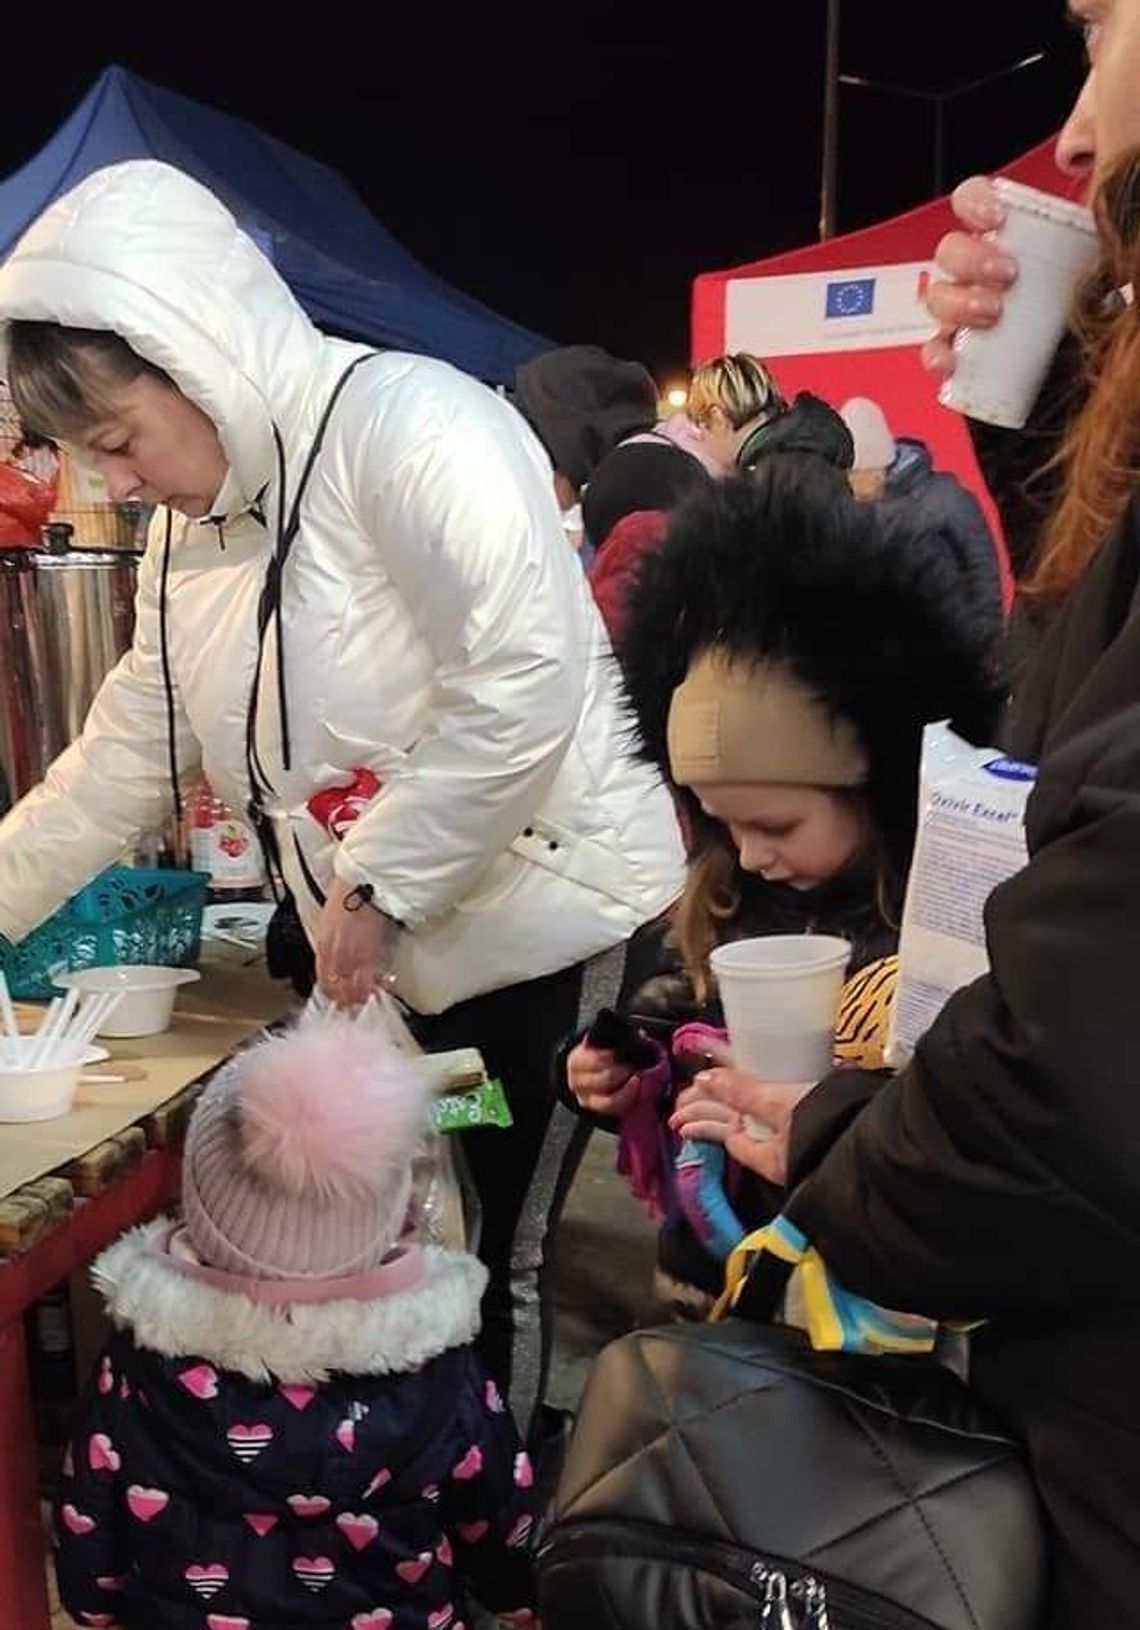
(348, 272)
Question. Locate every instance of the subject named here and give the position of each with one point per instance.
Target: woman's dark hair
(65, 380)
(639, 476)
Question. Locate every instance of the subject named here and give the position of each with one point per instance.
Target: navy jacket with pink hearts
(206, 1490)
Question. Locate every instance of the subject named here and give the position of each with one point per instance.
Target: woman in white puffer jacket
(356, 575)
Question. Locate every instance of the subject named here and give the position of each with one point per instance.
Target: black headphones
(753, 444)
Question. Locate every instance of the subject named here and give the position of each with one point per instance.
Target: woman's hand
(355, 947)
(599, 1083)
(976, 273)
(720, 1103)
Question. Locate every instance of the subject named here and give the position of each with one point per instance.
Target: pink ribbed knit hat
(298, 1161)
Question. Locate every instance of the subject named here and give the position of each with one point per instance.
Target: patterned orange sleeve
(865, 1014)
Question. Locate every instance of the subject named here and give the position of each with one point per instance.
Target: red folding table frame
(94, 1224)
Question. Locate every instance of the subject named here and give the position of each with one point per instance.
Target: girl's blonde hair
(1099, 460)
(710, 901)
(739, 385)
(63, 380)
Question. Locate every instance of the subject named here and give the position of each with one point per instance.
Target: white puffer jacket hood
(225, 327)
(435, 626)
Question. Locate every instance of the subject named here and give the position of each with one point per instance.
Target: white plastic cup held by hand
(999, 371)
(781, 997)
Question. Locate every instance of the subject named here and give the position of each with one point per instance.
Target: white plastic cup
(1000, 371)
(781, 996)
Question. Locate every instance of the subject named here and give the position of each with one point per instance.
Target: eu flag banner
(847, 308)
(855, 297)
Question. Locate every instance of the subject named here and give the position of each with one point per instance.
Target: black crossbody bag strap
(268, 610)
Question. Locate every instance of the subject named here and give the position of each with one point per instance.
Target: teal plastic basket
(127, 915)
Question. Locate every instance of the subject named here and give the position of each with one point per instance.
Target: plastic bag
(25, 504)
(971, 837)
(444, 1208)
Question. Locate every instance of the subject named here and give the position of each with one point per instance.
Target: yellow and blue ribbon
(836, 1320)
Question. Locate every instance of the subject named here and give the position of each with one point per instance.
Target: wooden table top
(211, 1018)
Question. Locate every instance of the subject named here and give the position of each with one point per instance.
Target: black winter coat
(936, 501)
(1019, 469)
(998, 1177)
(198, 1497)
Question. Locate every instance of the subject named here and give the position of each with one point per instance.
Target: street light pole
(939, 101)
(827, 200)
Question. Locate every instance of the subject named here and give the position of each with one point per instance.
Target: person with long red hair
(995, 1180)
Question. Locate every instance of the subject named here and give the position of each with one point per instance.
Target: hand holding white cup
(780, 996)
(1011, 274)
(975, 275)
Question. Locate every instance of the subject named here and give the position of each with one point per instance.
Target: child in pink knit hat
(289, 1426)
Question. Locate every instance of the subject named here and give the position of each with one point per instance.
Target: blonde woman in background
(734, 418)
(729, 398)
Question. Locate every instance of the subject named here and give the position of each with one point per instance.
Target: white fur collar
(179, 1317)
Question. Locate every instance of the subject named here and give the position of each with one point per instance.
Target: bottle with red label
(224, 846)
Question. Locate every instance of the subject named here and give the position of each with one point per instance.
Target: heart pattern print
(248, 1442)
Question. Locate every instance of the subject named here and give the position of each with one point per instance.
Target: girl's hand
(976, 273)
(703, 1116)
(599, 1083)
(718, 1107)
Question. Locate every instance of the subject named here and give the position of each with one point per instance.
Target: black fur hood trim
(877, 618)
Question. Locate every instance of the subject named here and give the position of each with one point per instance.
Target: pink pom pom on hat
(298, 1160)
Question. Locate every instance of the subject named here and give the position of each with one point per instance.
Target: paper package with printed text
(970, 838)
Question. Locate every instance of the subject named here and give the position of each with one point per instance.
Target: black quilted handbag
(728, 1477)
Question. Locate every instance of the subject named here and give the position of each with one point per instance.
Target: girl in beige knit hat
(784, 650)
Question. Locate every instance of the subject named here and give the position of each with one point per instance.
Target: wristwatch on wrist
(362, 895)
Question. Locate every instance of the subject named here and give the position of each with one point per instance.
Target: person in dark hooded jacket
(810, 425)
(898, 472)
(581, 402)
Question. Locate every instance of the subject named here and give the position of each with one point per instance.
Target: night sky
(576, 170)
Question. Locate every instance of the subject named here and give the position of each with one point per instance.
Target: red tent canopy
(845, 318)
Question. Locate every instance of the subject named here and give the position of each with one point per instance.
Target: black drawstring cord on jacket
(270, 610)
(167, 678)
(288, 526)
(284, 543)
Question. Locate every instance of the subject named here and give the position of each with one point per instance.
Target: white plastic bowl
(40, 1095)
(147, 1006)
